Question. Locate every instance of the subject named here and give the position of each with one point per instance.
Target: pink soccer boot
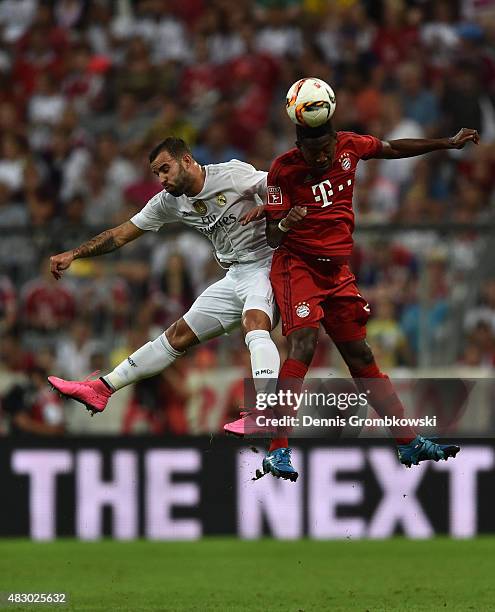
(94, 394)
(247, 426)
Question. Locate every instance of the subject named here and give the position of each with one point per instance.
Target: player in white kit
(213, 199)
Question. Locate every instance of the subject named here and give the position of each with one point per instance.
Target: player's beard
(181, 183)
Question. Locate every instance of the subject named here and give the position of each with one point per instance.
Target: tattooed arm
(106, 242)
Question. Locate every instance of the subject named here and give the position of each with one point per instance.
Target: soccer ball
(310, 102)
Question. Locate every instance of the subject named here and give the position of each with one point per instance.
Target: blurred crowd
(87, 87)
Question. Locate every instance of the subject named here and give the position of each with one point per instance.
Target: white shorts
(220, 307)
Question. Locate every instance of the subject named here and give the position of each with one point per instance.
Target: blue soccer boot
(421, 449)
(277, 463)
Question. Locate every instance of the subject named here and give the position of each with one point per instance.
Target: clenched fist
(295, 215)
(60, 262)
(464, 135)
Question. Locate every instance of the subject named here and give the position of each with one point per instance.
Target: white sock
(265, 360)
(147, 361)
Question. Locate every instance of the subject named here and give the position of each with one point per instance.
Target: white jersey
(230, 190)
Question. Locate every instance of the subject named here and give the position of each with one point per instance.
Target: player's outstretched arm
(106, 242)
(410, 147)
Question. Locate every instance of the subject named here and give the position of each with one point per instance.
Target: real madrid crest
(200, 207)
(221, 199)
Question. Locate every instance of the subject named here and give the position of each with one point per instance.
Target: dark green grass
(228, 574)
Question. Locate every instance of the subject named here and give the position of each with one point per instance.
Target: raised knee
(254, 319)
(173, 336)
(180, 336)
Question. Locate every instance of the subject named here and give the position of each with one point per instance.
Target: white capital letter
(399, 504)
(162, 494)
(42, 466)
(463, 495)
(93, 494)
(326, 493)
(278, 501)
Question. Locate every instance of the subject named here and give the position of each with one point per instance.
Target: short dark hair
(307, 133)
(175, 146)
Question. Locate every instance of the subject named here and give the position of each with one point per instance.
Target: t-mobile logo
(325, 191)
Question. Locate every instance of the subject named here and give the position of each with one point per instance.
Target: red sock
(291, 377)
(384, 400)
(278, 443)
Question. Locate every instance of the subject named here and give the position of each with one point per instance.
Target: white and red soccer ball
(310, 102)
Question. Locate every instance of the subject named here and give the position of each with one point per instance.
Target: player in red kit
(311, 221)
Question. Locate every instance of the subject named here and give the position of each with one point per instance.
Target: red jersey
(328, 226)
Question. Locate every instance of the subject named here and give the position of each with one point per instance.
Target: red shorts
(309, 292)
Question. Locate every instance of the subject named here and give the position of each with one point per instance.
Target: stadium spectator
(31, 409)
(386, 337)
(11, 114)
(439, 36)
(138, 75)
(13, 158)
(69, 13)
(16, 16)
(200, 83)
(171, 293)
(75, 350)
(143, 188)
(12, 213)
(104, 298)
(395, 35)
(8, 305)
(170, 120)
(432, 308)
(156, 405)
(65, 161)
(119, 171)
(102, 196)
(482, 338)
(485, 311)
(396, 126)
(159, 405)
(279, 35)
(387, 265)
(128, 122)
(472, 356)
(46, 306)
(420, 103)
(214, 147)
(45, 107)
(39, 50)
(377, 197)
